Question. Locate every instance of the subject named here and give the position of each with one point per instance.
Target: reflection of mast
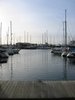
(65, 69)
(1, 71)
(46, 63)
(11, 68)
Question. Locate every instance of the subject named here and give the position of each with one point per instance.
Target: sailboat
(9, 49)
(65, 50)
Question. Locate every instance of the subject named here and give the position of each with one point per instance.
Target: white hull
(57, 51)
(64, 54)
(71, 55)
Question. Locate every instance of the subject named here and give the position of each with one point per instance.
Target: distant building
(26, 45)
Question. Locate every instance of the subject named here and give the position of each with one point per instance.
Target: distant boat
(15, 50)
(10, 51)
(31, 47)
(4, 55)
(56, 51)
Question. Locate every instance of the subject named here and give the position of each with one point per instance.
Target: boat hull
(71, 55)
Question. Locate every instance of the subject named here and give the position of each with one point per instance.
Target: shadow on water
(1, 71)
(11, 66)
(2, 92)
(55, 55)
(3, 60)
(68, 63)
(65, 68)
(71, 61)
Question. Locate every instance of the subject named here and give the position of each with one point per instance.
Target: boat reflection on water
(1, 71)
(3, 60)
(71, 61)
(65, 68)
(11, 68)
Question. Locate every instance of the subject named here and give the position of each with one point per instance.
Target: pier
(37, 89)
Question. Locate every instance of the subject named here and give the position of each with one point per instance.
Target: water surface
(37, 64)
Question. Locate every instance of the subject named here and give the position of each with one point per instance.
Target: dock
(37, 89)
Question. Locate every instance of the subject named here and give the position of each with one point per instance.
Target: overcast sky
(35, 17)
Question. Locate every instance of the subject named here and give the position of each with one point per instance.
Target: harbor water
(37, 64)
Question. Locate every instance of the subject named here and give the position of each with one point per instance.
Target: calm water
(37, 64)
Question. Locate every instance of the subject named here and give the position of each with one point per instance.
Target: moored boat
(3, 54)
(71, 55)
(3, 60)
(57, 51)
(16, 51)
(10, 51)
(65, 52)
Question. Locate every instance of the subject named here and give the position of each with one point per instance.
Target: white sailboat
(10, 50)
(65, 50)
(71, 54)
(57, 50)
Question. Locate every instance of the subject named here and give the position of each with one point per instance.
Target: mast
(7, 36)
(30, 38)
(11, 32)
(27, 37)
(47, 35)
(65, 29)
(24, 37)
(63, 34)
(1, 34)
(42, 38)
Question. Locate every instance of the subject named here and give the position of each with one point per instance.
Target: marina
(37, 49)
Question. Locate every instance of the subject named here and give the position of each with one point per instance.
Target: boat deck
(37, 89)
